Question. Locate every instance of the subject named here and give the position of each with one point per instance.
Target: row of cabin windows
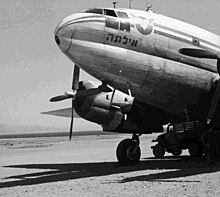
(113, 23)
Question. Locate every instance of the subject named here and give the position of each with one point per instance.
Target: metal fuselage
(139, 51)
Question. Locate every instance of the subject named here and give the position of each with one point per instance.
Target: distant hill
(9, 129)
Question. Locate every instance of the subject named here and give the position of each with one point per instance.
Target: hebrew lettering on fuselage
(110, 37)
(121, 40)
(117, 39)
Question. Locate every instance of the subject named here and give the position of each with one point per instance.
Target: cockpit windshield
(110, 13)
(94, 11)
(107, 12)
(115, 19)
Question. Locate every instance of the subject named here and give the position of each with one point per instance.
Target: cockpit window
(122, 15)
(101, 11)
(94, 11)
(110, 13)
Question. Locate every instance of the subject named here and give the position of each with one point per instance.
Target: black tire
(176, 152)
(158, 151)
(195, 149)
(125, 152)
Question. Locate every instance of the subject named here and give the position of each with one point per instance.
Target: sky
(32, 67)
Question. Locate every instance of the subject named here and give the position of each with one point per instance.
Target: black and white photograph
(110, 98)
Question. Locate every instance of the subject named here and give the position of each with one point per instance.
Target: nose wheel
(128, 151)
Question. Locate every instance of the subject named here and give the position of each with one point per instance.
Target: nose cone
(63, 35)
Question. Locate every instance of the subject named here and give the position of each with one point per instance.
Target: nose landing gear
(128, 151)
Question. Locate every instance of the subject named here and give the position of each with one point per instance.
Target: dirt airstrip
(87, 166)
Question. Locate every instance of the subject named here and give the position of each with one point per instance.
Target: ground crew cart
(180, 136)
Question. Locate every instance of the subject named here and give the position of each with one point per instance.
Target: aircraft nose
(63, 35)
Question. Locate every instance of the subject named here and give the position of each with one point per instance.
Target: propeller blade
(60, 98)
(71, 123)
(75, 83)
(200, 53)
(66, 95)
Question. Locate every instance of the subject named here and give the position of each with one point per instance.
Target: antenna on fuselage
(149, 6)
(114, 3)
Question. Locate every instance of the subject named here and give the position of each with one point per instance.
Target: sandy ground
(87, 166)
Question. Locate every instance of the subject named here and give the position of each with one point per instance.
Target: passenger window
(110, 13)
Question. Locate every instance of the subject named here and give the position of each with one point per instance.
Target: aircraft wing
(66, 112)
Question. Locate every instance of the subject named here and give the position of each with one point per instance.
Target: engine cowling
(101, 108)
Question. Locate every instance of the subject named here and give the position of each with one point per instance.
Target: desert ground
(87, 166)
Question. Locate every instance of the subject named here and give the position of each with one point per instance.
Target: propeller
(70, 94)
(79, 90)
(66, 95)
(200, 53)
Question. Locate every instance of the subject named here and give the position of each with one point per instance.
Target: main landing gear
(128, 151)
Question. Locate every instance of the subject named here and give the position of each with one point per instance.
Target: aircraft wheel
(195, 149)
(176, 152)
(158, 151)
(128, 152)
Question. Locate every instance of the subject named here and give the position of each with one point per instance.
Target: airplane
(153, 70)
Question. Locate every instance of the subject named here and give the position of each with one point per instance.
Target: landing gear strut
(128, 151)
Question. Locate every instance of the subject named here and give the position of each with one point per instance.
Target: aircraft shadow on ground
(179, 167)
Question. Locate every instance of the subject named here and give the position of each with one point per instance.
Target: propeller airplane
(153, 70)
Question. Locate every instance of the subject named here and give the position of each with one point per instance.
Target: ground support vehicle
(180, 136)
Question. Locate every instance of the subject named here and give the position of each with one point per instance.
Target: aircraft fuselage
(139, 51)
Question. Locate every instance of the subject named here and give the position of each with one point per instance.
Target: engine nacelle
(120, 113)
(102, 108)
